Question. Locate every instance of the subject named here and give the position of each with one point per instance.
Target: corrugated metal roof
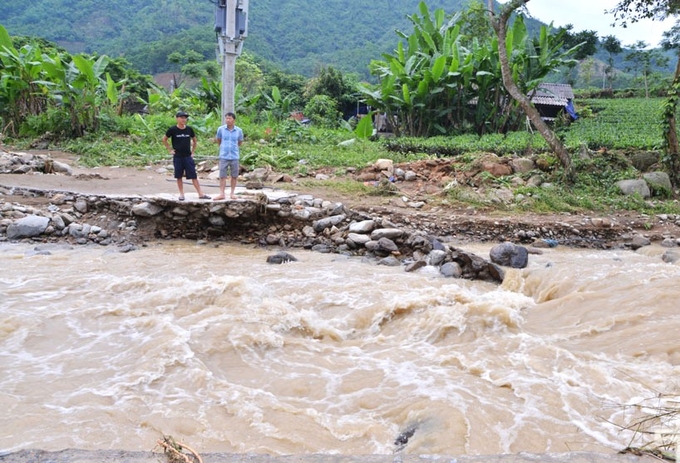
(553, 94)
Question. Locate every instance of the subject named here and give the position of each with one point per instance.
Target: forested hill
(298, 35)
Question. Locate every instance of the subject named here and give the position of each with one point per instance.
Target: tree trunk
(673, 146)
(500, 25)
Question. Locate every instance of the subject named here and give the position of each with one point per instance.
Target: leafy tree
(440, 81)
(671, 159)
(585, 44)
(643, 61)
(322, 110)
(612, 46)
(634, 10)
(586, 69)
(21, 95)
(192, 64)
(474, 21)
(333, 84)
(249, 75)
(291, 85)
(500, 25)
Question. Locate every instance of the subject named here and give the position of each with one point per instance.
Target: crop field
(632, 123)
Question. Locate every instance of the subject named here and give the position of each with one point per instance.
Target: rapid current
(215, 347)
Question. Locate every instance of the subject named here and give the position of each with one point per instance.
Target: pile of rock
(25, 163)
(289, 221)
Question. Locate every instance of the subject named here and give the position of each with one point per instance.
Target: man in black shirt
(183, 147)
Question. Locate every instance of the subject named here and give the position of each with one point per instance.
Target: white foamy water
(102, 350)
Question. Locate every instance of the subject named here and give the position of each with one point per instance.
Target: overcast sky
(590, 15)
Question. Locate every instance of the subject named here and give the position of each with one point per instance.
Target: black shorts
(184, 167)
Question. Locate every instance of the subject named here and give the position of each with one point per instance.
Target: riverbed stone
(27, 227)
(281, 257)
(509, 255)
(364, 226)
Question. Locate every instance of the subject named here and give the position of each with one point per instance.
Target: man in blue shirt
(229, 137)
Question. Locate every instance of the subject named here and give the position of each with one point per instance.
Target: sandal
(181, 198)
(204, 197)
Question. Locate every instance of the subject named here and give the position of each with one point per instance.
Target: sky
(590, 15)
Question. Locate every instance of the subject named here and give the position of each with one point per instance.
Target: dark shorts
(228, 168)
(184, 167)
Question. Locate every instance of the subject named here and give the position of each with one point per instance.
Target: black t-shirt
(181, 139)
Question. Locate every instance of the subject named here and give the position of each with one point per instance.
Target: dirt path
(426, 190)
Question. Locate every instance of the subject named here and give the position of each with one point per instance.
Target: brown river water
(211, 345)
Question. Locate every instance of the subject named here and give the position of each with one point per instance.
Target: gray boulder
(451, 270)
(280, 258)
(146, 209)
(27, 227)
(631, 187)
(509, 255)
(659, 183)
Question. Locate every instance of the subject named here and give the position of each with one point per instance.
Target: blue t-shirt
(229, 148)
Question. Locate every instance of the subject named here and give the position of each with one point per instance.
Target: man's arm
(165, 143)
(194, 143)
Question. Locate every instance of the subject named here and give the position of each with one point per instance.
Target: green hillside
(297, 35)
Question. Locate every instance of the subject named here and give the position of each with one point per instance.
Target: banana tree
(77, 86)
(20, 95)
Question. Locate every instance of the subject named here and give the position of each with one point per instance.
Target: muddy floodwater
(330, 355)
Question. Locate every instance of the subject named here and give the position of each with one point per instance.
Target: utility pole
(231, 27)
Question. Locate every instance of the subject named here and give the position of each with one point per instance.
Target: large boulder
(631, 187)
(509, 255)
(27, 227)
(659, 183)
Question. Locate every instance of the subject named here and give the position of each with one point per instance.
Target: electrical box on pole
(231, 27)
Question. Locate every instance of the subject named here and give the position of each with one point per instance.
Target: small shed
(551, 99)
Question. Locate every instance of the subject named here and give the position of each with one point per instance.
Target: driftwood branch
(175, 449)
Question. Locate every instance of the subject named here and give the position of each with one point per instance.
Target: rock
(671, 256)
(413, 266)
(631, 187)
(436, 257)
(328, 222)
(280, 258)
(509, 255)
(389, 233)
(27, 227)
(365, 226)
(669, 243)
(451, 270)
(390, 261)
(322, 248)
(358, 239)
(61, 168)
(643, 161)
(639, 241)
(146, 209)
(659, 184)
(410, 176)
(522, 165)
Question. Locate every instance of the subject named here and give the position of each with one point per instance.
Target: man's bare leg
(180, 187)
(223, 185)
(197, 185)
(233, 187)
